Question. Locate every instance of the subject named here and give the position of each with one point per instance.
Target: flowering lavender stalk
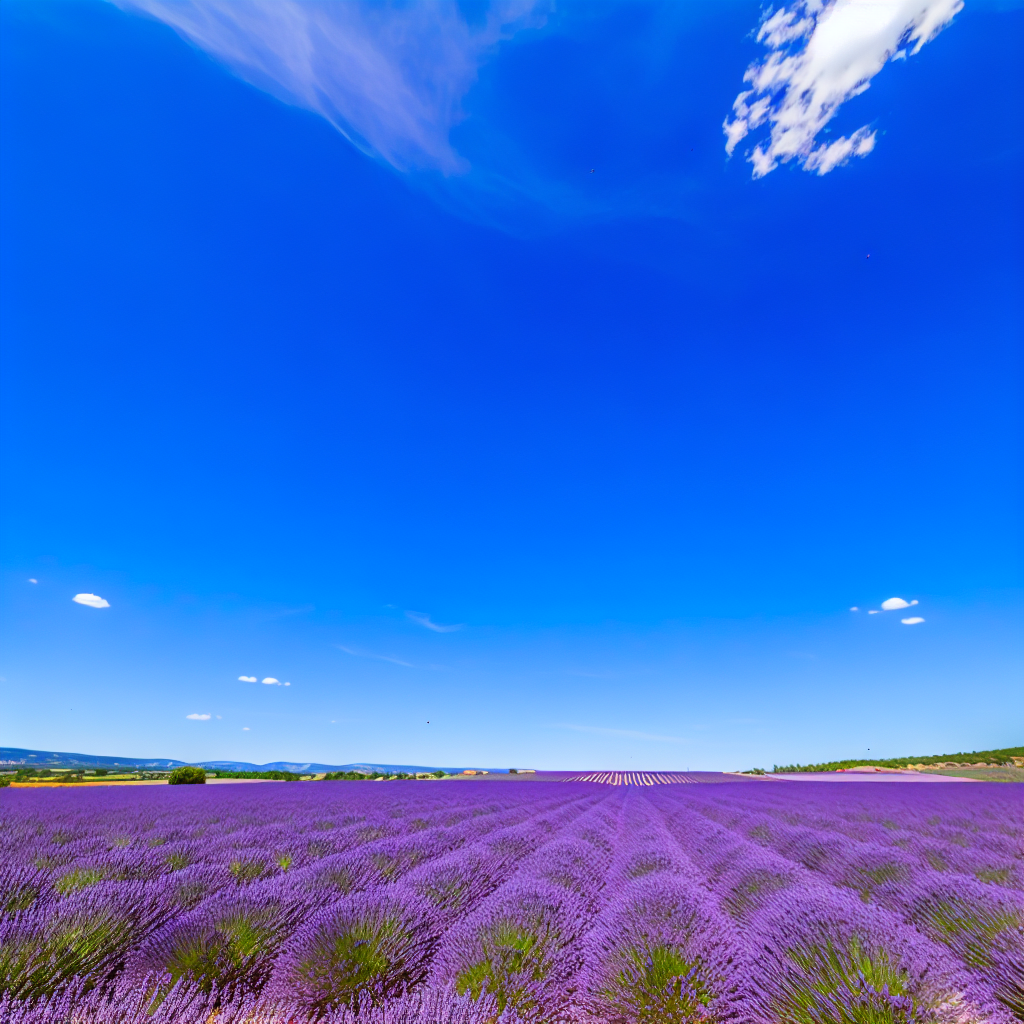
(368, 947)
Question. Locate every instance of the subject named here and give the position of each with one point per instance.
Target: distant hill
(975, 756)
(15, 757)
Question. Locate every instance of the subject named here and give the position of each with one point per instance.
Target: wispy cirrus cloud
(376, 657)
(821, 54)
(389, 77)
(423, 619)
(625, 733)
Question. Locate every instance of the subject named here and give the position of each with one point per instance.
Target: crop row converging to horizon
(464, 905)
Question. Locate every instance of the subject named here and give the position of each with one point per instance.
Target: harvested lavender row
(441, 903)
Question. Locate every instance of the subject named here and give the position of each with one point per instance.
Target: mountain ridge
(18, 757)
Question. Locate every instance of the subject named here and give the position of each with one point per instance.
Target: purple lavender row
(64, 864)
(979, 923)
(521, 945)
(946, 817)
(835, 940)
(660, 950)
(36, 952)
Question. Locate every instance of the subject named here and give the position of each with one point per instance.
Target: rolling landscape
(510, 512)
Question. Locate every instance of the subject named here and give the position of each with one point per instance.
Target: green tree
(190, 776)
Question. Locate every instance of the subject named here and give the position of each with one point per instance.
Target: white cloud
(33, 581)
(912, 621)
(627, 733)
(822, 53)
(91, 600)
(270, 681)
(198, 718)
(245, 728)
(248, 679)
(895, 604)
(873, 611)
(854, 609)
(376, 657)
(389, 77)
(424, 620)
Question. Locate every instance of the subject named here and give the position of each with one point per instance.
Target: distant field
(985, 774)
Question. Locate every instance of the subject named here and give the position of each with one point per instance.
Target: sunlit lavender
(447, 903)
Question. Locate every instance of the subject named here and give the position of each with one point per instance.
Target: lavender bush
(484, 903)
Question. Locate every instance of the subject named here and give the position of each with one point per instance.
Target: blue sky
(467, 319)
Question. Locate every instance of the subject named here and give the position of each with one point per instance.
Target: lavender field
(417, 903)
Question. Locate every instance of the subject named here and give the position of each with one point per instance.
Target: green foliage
(657, 984)
(449, 894)
(273, 776)
(341, 879)
(189, 776)
(374, 953)
(350, 776)
(851, 986)
(248, 869)
(989, 756)
(86, 945)
(512, 955)
(749, 894)
(1001, 876)
(17, 896)
(865, 880)
(647, 864)
(229, 955)
(79, 878)
(968, 926)
(178, 860)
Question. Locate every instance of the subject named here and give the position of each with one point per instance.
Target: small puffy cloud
(854, 609)
(913, 621)
(895, 604)
(33, 581)
(198, 718)
(248, 679)
(245, 728)
(873, 611)
(424, 620)
(270, 681)
(820, 54)
(91, 600)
